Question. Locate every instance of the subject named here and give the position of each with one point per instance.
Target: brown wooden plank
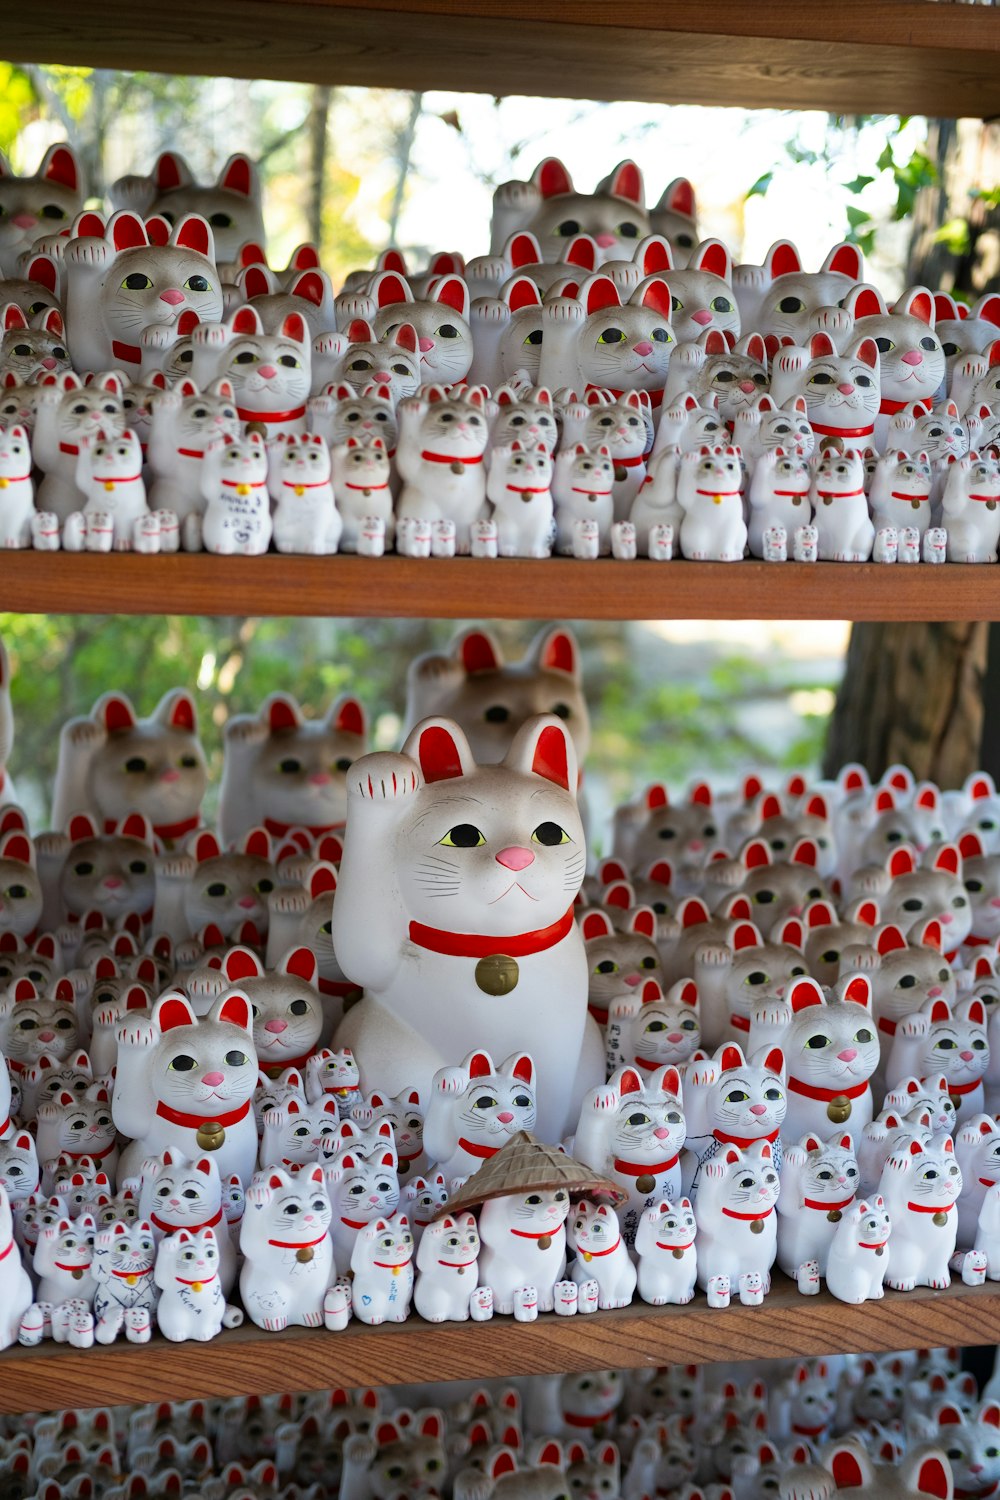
(514, 589)
(906, 56)
(249, 1361)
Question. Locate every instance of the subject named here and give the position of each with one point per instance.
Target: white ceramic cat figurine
(124, 1258)
(632, 1130)
(442, 440)
(77, 1127)
(709, 492)
(306, 518)
(362, 1187)
(702, 294)
(361, 480)
(474, 1110)
(912, 362)
(921, 1185)
(231, 204)
(188, 1083)
(448, 1269)
(941, 1038)
(732, 1101)
(191, 1305)
(358, 362)
(612, 343)
(63, 1260)
(177, 1193)
(858, 1258)
(19, 1170)
(116, 763)
(237, 516)
(335, 1073)
(970, 509)
(183, 422)
(288, 1253)
(382, 1266)
(778, 494)
(841, 390)
(406, 1116)
(622, 424)
(440, 319)
(977, 1148)
(423, 1008)
(523, 1246)
(119, 285)
(294, 1132)
(116, 516)
(270, 373)
(735, 1216)
(38, 203)
(285, 769)
(17, 490)
(649, 1030)
(16, 1294)
(519, 488)
(840, 507)
(819, 1180)
(900, 493)
(614, 214)
(667, 1254)
(67, 411)
(226, 890)
(601, 1254)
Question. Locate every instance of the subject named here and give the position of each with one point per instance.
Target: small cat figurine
(115, 516)
(732, 1101)
(858, 1257)
(73, 1128)
(701, 295)
(21, 901)
(33, 1026)
(614, 344)
(17, 503)
(334, 1073)
(900, 493)
(620, 959)
(442, 440)
(550, 208)
(191, 1305)
(287, 1012)
(491, 698)
(941, 1038)
(16, 1294)
(841, 390)
(119, 284)
(778, 494)
(667, 1255)
(406, 1116)
(19, 1171)
(362, 484)
(977, 1148)
(288, 1253)
(231, 204)
(341, 412)
(63, 1260)
(177, 1192)
(595, 1234)
(819, 1180)
(87, 870)
(733, 377)
(237, 517)
(124, 1258)
(294, 1132)
(306, 518)
(912, 364)
(508, 332)
(184, 421)
(362, 1187)
(448, 1267)
(633, 1131)
(270, 373)
(187, 1083)
(519, 488)
(792, 296)
(650, 1030)
(38, 204)
(285, 770)
(523, 1244)
(969, 1441)
(115, 762)
(739, 1189)
(474, 1110)
(382, 1266)
(709, 492)
(674, 216)
(359, 362)
(524, 413)
(840, 506)
(970, 509)
(67, 411)
(920, 1185)
(205, 886)
(604, 419)
(440, 319)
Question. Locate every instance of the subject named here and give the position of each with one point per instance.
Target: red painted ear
(746, 936)
(173, 1011)
(480, 1065)
(596, 924)
(902, 862)
(651, 992)
(438, 754)
(756, 854)
(656, 796)
(970, 847)
(237, 1011)
(302, 963)
(846, 1470)
(867, 352)
(644, 921)
(350, 717)
(712, 256)
(524, 1069)
(934, 1478)
(550, 758)
(503, 1462)
(479, 653)
(631, 1083)
(693, 912)
(127, 231)
(241, 963)
(731, 1058)
(522, 293)
(193, 233)
(820, 914)
(294, 328)
(117, 713)
(559, 653)
(804, 993)
(947, 859)
(237, 176)
(601, 292)
(552, 179)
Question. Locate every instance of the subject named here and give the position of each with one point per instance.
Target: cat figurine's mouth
(514, 886)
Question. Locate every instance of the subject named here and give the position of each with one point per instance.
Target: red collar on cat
(600, 1015)
(985, 499)
(661, 1246)
(198, 1282)
(450, 458)
(132, 1275)
(744, 1142)
(596, 1254)
(195, 1122)
(94, 1155)
(888, 407)
(110, 480)
(541, 1234)
(527, 489)
(643, 1169)
(130, 353)
(68, 448)
(809, 1431)
(731, 1213)
(355, 1223)
(483, 1152)
(889, 1027)
(453, 1265)
(389, 1265)
(298, 1244)
(573, 1419)
(341, 987)
(977, 1494)
(839, 494)
(473, 945)
(4, 1253)
(275, 1069)
(191, 1228)
(872, 1244)
(164, 830)
(742, 1023)
(245, 415)
(828, 1207)
(961, 1088)
(810, 1091)
(987, 1182)
(842, 431)
(931, 1208)
(84, 1266)
(640, 1062)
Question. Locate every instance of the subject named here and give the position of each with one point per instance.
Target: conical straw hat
(527, 1165)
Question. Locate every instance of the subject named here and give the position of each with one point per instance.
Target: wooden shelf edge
(510, 589)
(249, 1361)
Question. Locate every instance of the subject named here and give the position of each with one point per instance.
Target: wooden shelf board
(513, 589)
(892, 56)
(250, 1361)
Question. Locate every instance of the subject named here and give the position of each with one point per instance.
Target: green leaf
(955, 235)
(886, 161)
(858, 184)
(761, 186)
(857, 216)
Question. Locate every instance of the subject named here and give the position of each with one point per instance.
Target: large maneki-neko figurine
(455, 911)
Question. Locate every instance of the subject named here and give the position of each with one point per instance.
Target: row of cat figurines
(741, 1442)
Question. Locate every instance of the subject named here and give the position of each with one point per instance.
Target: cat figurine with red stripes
(288, 1252)
(476, 1108)
(270, 373)
(458, 882)
(632, 1130)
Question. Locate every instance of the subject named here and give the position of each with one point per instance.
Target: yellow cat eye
(463, 836)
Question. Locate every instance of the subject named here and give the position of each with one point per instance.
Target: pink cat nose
(703, 316)
(913, 358)
(845, 388)
(267, 372)
(48, 363)
(661, 1132)
(171, 775)
(24, 221)
(505, 1117)
(213, 1079)
(945, 917)
(175, 1203)
(112, 883)
(172, 295)
(796, 911)
(46, 1036)
(632, 980)
(426, 344)
(605, 239)
(848, 1054)
(995, 901)
(779, 992)
(933, 992)
(277, 1027)
(644, 348)
(320, 778)
(695, 845)
(515, 858)
(247, 902)
(758, 1109)
(674, 1037)
(747, 386)
(966, 1056)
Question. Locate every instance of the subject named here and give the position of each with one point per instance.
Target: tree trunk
(911, 693)
(319, 116)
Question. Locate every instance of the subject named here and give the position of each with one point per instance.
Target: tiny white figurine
(734, 1212)
(361, 485)
(582, 488)
(519, 487)
(858, 1258)
(124, 1258)
(285, 1239)
(601, 1255)
(18, 517)
(442, 441)
(191, 1305)
(305, 516)
(709, 492)
(819, 1179)
(448, 1269)
(668, 1259)
(921, 1184)
(778, 496)
(116, 515)
(382, 1266)
(237, 513)
(475, 1108)
(970, 509)
(632, 1130)
(840, 507)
